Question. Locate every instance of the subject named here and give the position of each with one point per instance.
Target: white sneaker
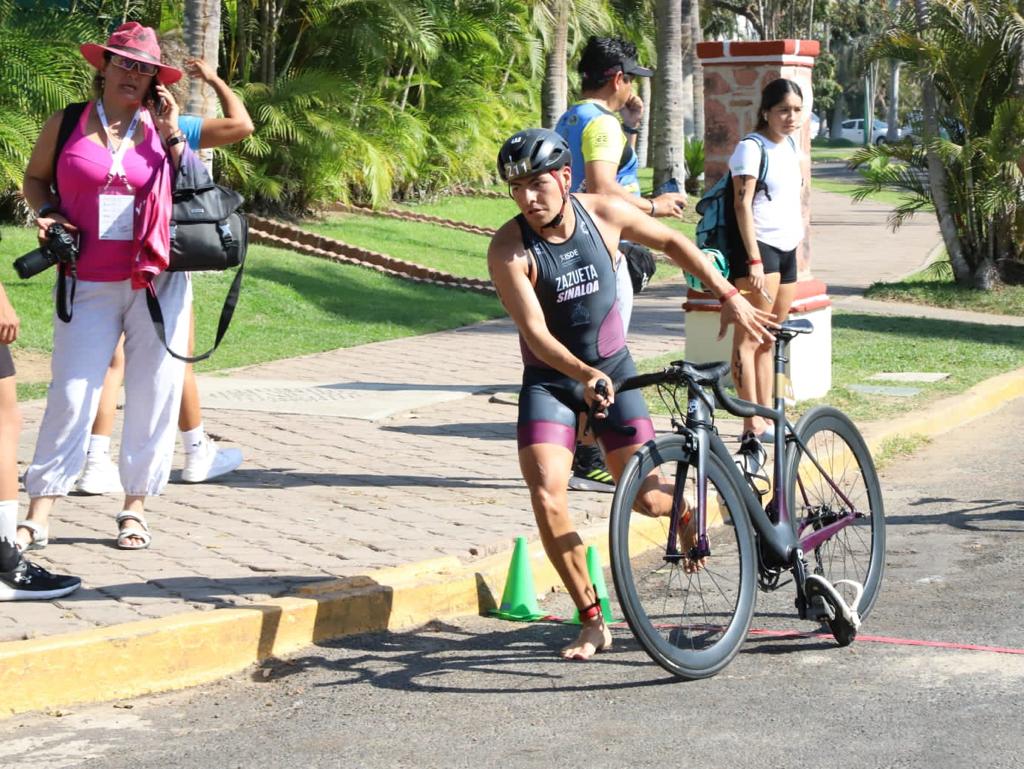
(208, 462)
(100, 476)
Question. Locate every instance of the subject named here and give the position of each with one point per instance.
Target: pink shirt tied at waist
(82, 173)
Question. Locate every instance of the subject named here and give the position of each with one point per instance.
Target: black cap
(626, 64)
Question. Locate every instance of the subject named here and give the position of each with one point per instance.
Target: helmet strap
(565, 199)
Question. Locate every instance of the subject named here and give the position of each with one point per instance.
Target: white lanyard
(117, 155)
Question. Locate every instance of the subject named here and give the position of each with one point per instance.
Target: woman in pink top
(112, 188)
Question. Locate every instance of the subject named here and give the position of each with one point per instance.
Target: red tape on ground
(877, 639)
(881, 639)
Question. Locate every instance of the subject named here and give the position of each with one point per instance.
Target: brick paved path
(320, 497)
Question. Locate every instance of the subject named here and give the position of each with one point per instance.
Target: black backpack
(208, 232)
(640, 262)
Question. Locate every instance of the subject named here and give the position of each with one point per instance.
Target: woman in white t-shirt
(770, 219)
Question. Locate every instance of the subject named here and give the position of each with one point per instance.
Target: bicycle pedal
(819, 610)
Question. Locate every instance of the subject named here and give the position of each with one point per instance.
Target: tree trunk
(893, 115)
(554, 96)
(669, 161)
(643, 138)
(688, 55)
(698, 71)
(202, 38)
(937, 172)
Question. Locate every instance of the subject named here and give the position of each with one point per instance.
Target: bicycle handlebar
(680, 372)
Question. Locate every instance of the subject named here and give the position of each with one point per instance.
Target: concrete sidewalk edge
(150, 656)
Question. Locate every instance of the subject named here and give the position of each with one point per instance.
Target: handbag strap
(227, 311)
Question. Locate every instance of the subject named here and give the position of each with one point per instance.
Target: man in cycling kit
(553, 269)
(601, 131)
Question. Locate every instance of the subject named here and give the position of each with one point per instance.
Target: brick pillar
(734, 74)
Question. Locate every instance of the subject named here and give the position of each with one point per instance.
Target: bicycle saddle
(791, 328)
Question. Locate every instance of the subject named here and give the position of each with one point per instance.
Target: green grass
(290, 305)
(481, 212)
(887, 197)
(899, 446)
(829, 154)
(931, 287)
(863, 345)
(430, 245)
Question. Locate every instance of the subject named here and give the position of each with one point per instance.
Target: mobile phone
(672, 185)
(158, 103)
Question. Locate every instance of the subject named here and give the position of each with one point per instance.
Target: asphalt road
(481, 693)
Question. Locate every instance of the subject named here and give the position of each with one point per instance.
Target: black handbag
(208, 232)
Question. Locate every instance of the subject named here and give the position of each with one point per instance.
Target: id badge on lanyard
(117, 197)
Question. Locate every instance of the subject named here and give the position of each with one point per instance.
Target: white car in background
(853, 130)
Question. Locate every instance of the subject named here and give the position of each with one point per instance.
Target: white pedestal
(810, 355)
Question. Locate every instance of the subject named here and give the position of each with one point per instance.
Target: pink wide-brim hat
(133, 41)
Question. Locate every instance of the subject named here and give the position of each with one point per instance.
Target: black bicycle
(687, 579)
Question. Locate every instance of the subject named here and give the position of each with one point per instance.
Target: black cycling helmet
(533, 151)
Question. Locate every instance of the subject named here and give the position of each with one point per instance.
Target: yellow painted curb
(953, 412)
(149, 656)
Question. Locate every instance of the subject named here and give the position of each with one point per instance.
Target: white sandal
(39, 534)
(125, 535)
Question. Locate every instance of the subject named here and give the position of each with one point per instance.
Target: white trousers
(152, 383)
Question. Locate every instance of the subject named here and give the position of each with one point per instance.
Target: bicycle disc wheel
(836, 452)
(692, 624)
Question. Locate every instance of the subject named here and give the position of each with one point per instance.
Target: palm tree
(202, 39)
(967, 55)
(555, 92)
(668, 84)
(41, 71)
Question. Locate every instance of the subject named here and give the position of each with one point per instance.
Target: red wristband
(752, 262)
(728, 295)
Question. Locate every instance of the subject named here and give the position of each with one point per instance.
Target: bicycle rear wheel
(836, 452)
(692, 624)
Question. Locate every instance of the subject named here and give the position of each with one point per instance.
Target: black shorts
(550, 403)
(773, 260)
(6, 362)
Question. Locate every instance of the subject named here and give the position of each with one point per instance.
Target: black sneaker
(589, 472)
(29, 582)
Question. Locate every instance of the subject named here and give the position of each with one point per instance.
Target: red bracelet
(752, 262)
(728, 295)
(591, 612)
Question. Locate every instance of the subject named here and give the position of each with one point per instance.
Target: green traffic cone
(519, 599)
(596, 573)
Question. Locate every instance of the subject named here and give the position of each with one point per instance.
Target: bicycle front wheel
(692, 623)
(832, 479)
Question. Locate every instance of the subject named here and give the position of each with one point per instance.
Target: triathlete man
(553, 269)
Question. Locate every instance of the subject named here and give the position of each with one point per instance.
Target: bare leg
(764, 364)
(745, 368)
(10, 426)
(191, 414)
(655, 500)
(546, 468)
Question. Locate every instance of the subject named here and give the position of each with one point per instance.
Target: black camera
(61, 246)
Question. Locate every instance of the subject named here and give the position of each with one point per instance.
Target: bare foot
(594, 637)
(688, 540)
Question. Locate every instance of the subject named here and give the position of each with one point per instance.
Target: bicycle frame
(781, 545)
